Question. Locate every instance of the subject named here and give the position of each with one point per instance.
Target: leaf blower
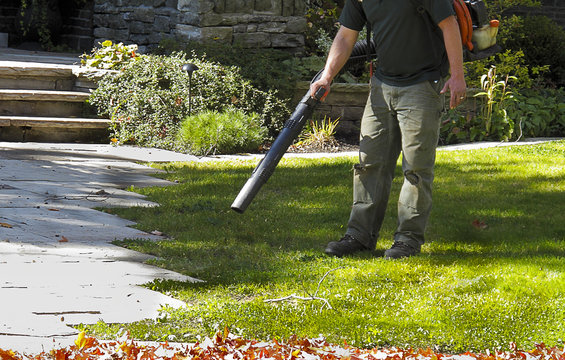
(289, 133)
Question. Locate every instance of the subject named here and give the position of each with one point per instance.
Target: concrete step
(53, 129)
(48, 103)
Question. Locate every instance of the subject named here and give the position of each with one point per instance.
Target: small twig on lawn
(311, 297)
(324, 277)
(293, 296)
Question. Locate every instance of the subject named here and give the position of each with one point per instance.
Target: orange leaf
(7, 355)
(5, 225)
(63, 239)
(59, 354)
(479, 224)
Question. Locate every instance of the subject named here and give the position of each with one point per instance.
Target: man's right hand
(322, 83)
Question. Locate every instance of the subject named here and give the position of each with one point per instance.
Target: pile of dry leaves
(225, 346)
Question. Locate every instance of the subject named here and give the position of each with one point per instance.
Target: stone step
(53, 122)
(53, 129)
(36, 76)
(47, 103)
(43, 98)
(46, 76)
(42, 95)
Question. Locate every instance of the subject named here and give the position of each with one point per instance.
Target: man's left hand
(458, 90)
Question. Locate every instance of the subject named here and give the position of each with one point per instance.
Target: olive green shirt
(409, 50)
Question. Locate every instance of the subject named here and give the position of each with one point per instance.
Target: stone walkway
(58, 267)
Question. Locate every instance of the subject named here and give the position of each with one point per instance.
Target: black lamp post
(189, 68)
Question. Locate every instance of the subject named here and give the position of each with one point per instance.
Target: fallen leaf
(479, 224)
(83, 341)
(5, 225)
(63, 239)
(8, 355)
(224, 345)
(53, 209)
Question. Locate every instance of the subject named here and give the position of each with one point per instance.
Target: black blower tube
(267, 165)
(290, 131)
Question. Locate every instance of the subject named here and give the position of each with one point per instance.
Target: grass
(492, 272)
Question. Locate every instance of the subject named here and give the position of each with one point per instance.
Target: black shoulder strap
(434, 30)
(419, 5)
(368, 42)
(359, 6)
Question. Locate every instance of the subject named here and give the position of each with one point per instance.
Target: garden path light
(189, 68)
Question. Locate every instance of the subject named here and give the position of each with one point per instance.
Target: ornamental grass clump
(212, 132)
(319, 134)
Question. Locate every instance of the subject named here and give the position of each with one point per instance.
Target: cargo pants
(396, 119)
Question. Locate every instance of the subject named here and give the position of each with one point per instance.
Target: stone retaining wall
(8, 13)
(345, 102)
(251, 23)
(77, 27)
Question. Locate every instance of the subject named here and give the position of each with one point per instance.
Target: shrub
(459, 127)
(539, 113)
(211, 132)
(498, 8)
(266, 69)
(148, 98)
(541, 40)
(508, 62)
(532, 113)
(322, 18)
(110, 56)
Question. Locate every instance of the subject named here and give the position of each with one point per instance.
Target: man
(416, 64)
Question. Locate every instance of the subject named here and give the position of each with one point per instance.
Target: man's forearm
(339, 52)
(452, 41)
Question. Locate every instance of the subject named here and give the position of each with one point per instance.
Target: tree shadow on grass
(305, 204)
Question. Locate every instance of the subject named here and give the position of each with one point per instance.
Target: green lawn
(491, 273)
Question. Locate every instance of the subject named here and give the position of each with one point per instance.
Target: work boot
(345, 246)
(400, 250)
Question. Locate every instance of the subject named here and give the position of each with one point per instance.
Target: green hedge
(542, 41)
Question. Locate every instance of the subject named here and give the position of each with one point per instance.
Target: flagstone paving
(58, 267)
